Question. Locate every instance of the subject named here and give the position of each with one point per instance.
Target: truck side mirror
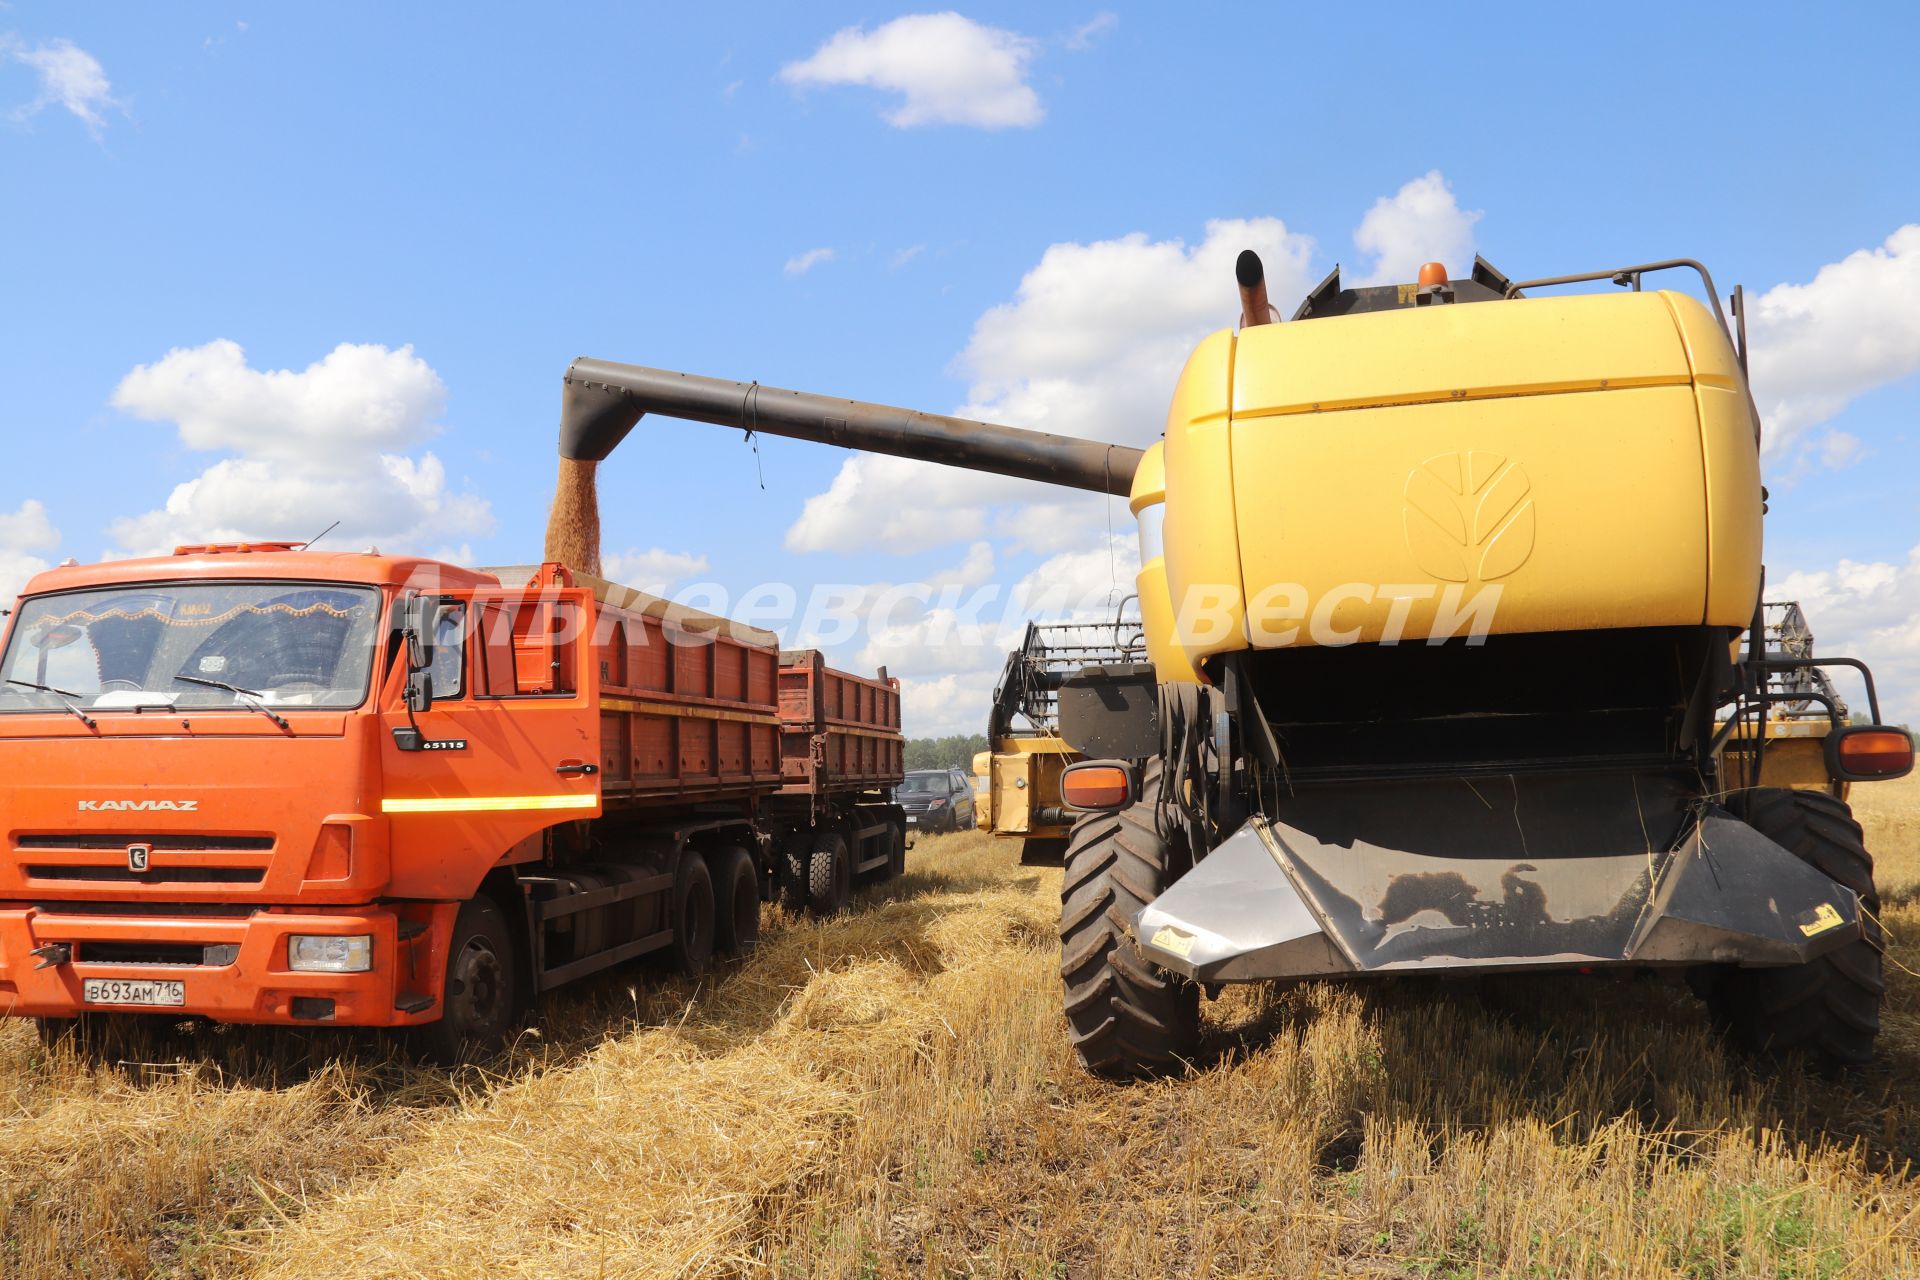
(416, 627)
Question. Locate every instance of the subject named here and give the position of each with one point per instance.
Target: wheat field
(889, 1094)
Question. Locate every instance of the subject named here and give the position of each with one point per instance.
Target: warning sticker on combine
(1824, 918)
(1173, 940)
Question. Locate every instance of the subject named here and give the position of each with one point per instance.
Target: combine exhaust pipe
(601, 401)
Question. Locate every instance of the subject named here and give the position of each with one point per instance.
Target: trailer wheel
(829, 874)
(692, 915)
(1125, 1017)
(737, 899)
(480, 999)
(1828, 1008)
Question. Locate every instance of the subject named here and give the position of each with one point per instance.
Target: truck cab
(221, 799)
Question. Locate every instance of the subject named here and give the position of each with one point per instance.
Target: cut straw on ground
(888, 1093)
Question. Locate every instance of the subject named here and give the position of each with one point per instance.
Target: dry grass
(889, 1094)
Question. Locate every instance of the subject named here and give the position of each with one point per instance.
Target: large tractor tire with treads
(1829, 1008)
(1125, 1017)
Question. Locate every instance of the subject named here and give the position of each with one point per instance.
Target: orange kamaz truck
(254, 783)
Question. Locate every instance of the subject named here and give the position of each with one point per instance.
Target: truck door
(509, 744)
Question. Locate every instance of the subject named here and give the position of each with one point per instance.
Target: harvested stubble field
(889, 1093)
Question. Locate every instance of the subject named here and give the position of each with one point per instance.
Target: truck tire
(1827, 1009)
(693, 913)
(795, 855)
(829, 875)
(737, 897)
(480, 1000)
(1125, 1017)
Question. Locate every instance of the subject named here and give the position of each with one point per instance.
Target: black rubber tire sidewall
(1827, 1010)
(736, 893)
(1126, 1017)
(462, 1031)
(694, 911)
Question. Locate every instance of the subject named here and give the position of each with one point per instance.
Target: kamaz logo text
(139, 806)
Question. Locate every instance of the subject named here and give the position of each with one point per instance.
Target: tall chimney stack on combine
(601, 401)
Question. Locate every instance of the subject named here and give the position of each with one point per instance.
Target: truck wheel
(1125, 1017)
(481, 997)
(737, 897)
(829, 875)
(692, 915)
(1828, 1008)
(795, 854)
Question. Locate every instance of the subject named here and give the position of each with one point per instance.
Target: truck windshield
(199, 645)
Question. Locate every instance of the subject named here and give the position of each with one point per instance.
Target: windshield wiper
(245, 695)
(63, 695)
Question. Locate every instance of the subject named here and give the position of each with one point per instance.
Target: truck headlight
(329, 953)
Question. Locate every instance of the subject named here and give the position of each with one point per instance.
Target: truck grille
(169, 953)
(155, 875)
(189, 842)
(173, 858)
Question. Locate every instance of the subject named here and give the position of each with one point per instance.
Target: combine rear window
(192, 645)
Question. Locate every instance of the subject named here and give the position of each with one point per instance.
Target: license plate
(130, 991)
(912, 821)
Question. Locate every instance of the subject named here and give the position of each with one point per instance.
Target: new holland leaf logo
(1469, 516)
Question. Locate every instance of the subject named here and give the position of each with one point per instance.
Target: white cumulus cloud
(325, 443)
(947, 68)
(801, 263)
(1818, 346)
(1868, 610)
(1421, 222)
(22, 533)
(69, 76)
(653, 570)
(1090, 345)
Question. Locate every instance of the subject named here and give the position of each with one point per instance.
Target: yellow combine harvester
(1443, 586)
(1018, 795)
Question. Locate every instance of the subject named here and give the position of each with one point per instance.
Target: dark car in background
(936, 799)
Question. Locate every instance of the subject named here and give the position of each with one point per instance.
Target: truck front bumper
(1435, 877)
(243, 974)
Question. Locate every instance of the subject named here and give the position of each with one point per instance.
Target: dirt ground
(889, 1093)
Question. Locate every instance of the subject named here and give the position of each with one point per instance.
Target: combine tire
(1125, 1017)
(692, 915)
(1829, 1008)
(829, 875)
(481, 1000)
(736, 895)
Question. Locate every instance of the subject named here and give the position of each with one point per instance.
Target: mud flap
(1538, 874)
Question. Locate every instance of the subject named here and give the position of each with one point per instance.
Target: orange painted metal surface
(838, 732)
(132, 841)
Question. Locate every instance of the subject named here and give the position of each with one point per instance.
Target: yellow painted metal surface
(1534, 465)
(1023, 776)
(1147, 501)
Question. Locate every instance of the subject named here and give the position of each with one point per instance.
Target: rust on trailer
(838, 731)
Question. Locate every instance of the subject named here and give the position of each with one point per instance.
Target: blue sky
(501, 193)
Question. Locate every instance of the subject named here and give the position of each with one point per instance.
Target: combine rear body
(1456, 662)
(261, 785)
(1018, 793)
